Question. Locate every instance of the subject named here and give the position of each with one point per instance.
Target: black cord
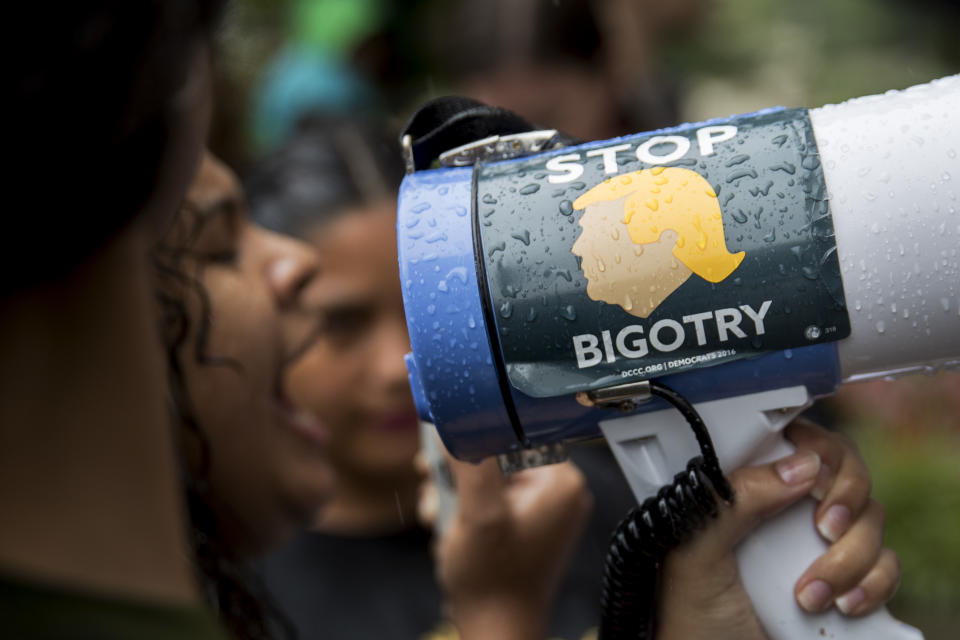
(648, 532)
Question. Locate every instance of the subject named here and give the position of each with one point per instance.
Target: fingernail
(799, 467)
(851, 600)
(815, 596)
(281, 269)
(834, 522)
(427, 506)
(823, 483)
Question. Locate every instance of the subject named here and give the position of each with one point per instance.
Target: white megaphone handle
(746, 430)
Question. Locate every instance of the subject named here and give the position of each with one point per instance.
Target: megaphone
(748, 264)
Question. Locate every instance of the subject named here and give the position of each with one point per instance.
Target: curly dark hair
(235, 593)
(92, 89)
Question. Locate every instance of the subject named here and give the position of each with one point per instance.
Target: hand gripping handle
(746, 430)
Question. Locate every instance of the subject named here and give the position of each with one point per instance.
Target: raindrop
(523, 237)
(784, 166)
(506, 309)
(530, 188)
(881, 327)
(755, 191)
(500, 246)
(566, 207)
(742, 173)
(458, 272)
(568, 312)
(735, 160)
(488, 199)
(420, 208)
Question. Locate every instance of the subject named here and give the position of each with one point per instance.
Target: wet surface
(759, 228)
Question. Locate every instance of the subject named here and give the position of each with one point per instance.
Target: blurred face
(354, 377)
(268, 470)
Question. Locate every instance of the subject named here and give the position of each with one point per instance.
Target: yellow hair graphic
(658, 199)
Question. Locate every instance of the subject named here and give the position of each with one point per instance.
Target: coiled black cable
(648, 532)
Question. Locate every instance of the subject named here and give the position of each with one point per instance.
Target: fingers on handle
(875, 589)
(762, 492)
(843, 486)
(847, 563)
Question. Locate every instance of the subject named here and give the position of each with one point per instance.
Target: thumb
(761, 492)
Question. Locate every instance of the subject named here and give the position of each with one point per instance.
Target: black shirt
(383, 588)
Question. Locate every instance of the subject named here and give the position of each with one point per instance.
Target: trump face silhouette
(646, 232)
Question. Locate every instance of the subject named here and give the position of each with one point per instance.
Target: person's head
(644, 234)
(334, 184)
(109, 102)
(235, 320)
